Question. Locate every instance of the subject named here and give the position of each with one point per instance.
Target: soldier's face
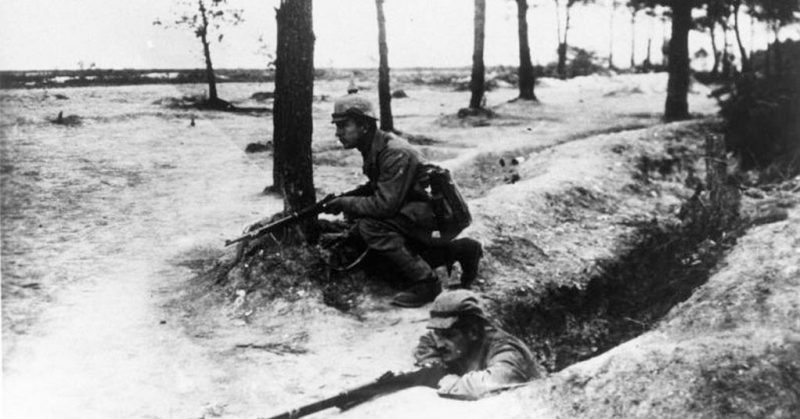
(349, 133)
(452, 344)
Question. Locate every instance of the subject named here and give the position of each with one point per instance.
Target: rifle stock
(389, 382)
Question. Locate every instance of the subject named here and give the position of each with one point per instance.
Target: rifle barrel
(295, 215)
(387, 383)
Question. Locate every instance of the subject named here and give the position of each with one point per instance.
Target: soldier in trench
(392, 211)
(478, 356)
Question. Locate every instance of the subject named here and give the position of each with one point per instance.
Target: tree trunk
(384, 92)
(768, 56)
(478, 82)
(212, 81)
(727, 63)
(677, 105)
(647, 64)
(633, 40)
(664, 44)
(563, 46)
(611, 35)
(778, 56)
(292, 122)
(742, 52)
(752, 34)
(527, 79)
(714, 50)
(560, 67)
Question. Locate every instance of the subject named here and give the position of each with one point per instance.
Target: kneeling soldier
(394, 216)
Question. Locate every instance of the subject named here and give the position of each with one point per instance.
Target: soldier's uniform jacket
(396, 183)
(502, 359)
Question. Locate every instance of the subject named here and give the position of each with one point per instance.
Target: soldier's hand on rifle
(335, 206)
(447, 383)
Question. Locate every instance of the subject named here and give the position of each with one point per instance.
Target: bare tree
(648, 63)
(709, 22)
(635, 6)
(384, 91)
(563, 45)
(478, 81)
(206, 19)
(676, 106)
(665, 17)
(612, 13)
(737, 4)
(527, 79)
(292, 118)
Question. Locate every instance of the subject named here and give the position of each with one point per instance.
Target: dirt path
(93, 215)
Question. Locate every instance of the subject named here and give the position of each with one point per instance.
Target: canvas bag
(449, 207)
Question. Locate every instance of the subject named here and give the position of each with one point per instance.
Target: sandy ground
(94, 218)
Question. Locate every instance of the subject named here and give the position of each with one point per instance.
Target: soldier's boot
(419, 294)
(467, 252)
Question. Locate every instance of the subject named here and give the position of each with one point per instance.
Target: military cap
(450, 305)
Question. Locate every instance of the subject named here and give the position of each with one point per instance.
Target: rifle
(310, 210)
(389, 382)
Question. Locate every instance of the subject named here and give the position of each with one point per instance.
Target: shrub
(583, 63)
(762, 122)
(761, 115)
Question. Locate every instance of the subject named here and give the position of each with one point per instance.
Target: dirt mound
(732, 349)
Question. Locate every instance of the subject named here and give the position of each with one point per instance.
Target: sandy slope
(134, 189)
(115, 198)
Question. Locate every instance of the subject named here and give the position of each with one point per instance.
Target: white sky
(57, 34)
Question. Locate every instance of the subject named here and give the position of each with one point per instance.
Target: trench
(661, 265)
(624, 296)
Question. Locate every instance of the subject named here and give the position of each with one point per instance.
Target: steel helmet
(352, 106)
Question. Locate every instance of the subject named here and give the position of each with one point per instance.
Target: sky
(65, 34)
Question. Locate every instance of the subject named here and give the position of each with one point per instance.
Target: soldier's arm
(398, 170)
(361, 190)
(505, 367)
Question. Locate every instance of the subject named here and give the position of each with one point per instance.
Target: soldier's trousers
(397, 239)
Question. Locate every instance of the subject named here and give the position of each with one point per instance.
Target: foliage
(777, 12)
(191, 15)
(762, 124)
(583, 62)
(580, 62)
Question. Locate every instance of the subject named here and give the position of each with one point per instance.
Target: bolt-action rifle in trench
(389, 382)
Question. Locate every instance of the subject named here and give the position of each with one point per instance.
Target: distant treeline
(584, 64)
(110, 77)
